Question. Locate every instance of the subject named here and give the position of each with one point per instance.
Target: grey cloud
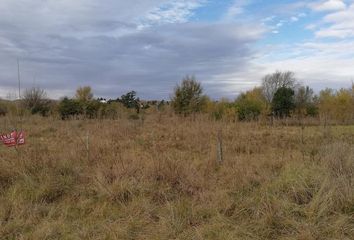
(104, 49)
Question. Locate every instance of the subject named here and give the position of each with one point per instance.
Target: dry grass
(160, 180)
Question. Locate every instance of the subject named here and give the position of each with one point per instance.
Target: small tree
(188, 97)
(250, 105)
(84, 97)
(130, 100)
(283, 102)
(343, 105)
(35, 100)
(84, 94)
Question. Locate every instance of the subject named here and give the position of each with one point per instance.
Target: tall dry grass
(160, 179)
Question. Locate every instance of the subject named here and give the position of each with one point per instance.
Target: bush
(111, 110)
(250, 105)
(3, 109)
(312, 110)
(188, 97)
(248, 110)
(92, 108)
(35, 100)
(219, 110)
(70, 107)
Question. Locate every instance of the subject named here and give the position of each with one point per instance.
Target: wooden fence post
(219, 153)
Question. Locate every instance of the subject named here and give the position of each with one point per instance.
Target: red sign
(13, 139)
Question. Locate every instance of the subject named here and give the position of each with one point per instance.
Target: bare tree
(35, 99)
(272, 82)
(306, 102)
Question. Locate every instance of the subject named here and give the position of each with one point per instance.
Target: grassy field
(160, 179)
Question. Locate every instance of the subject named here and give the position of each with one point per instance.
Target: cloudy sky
(149, 45)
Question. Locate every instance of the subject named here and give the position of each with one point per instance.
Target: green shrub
(248, 110)
(250, 105)
(110, 110)
(92, 108)
(70, 107)
(283, 102)
(130, 100)
(188, 97)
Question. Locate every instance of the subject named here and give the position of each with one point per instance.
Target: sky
(116, 46)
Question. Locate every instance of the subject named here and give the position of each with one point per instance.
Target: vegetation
(223, 109)
(306, 102)
(292, 101)
(111, 172)
(272, 82)
(188, 97)
(283, 102)
(69, 108)
(250, 105)
(35, 100)
(161, 180)
(130, 100)
(3, 108)
(84, 94)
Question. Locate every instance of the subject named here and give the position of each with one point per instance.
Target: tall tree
(272, 82)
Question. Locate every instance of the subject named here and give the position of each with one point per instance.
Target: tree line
(279, 96)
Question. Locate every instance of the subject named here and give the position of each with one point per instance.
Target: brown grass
(159, 179)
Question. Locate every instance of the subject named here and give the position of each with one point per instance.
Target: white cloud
(315, 63)
(235, 10)
(341, 24)
(268, 19)
(294, 19)
(318, 62)
(334, 32)
(311, 26)
(173, 11)
(328, 5)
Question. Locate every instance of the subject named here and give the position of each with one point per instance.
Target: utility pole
(19, 79)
